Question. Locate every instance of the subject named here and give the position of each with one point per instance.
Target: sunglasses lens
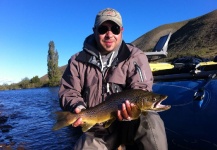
(103, 29)
(115, 29)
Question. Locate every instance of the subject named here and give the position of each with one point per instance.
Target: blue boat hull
(191, 123)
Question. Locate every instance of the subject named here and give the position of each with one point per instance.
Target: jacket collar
(91, 55)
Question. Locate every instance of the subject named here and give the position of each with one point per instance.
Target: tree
(35, 79)
(24, 83)
(52, 64)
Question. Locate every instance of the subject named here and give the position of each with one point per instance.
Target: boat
(191, 88)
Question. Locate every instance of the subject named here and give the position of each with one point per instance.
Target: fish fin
(63, 119)
(144, 113)
(109, 122)
(135, 112)
(86, 126)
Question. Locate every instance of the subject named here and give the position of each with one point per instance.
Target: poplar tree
(52, 64)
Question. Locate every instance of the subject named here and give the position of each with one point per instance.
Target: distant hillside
(197, 36)
(147, 41)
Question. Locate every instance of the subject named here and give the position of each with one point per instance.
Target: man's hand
(125, 111)
(78, 122)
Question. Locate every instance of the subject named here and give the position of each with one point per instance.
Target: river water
(27, 118)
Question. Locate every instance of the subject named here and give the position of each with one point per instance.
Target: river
(27, 117)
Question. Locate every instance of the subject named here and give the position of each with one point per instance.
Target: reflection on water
(27, 117)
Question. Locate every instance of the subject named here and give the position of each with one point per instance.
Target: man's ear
(122, 29)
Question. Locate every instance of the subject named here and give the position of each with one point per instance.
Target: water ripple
(30, 113)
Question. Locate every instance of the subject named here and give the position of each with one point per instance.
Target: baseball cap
(108, 14)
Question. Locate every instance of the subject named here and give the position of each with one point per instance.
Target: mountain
(197, 36)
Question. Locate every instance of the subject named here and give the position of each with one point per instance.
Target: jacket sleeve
(70, 95)
(139, 74)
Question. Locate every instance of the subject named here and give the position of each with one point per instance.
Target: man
(108, 65)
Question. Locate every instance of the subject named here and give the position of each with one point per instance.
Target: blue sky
(27, 26)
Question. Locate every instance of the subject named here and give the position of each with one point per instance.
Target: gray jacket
(86, 83)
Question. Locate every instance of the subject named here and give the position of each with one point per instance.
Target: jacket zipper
(138, 69)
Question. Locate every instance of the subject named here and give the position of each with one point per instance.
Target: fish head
(149, 101)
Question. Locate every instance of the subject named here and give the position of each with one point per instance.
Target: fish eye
(154, 99)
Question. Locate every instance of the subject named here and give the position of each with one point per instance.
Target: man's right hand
(78, 122)
(125, 111)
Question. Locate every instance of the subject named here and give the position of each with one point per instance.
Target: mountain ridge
(192, 36)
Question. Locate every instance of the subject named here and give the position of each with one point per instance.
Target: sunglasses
(103, 29)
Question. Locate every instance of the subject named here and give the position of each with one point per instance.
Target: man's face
(108, 36)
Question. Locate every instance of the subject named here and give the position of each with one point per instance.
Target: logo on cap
(109, 12)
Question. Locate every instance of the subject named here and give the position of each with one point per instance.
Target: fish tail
(64, 119)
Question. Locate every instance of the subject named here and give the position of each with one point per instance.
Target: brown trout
(106, 112)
